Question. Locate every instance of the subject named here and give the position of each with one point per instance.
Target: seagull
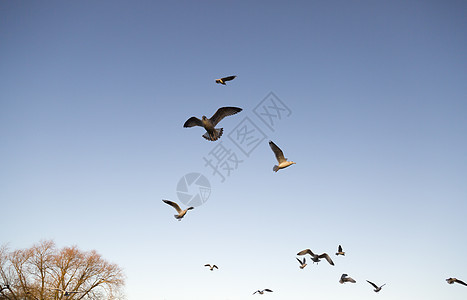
(283, 163)
(302, 262)
(377, 289)
(224, 79)
(339, 251)
(455, 280)
(212, 134)
(211, 267)
(316, 258)
(262, 292)
(345, 278)
(64, 292)
(181, 213)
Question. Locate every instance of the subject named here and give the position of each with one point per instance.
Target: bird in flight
(262, 291)
(339, 251)
(377, 288)
(212, 134)
(181, 212)
(211, 267)
(283, 163)
(224, 79)
(316, 258)
(302, 262)
(345, 278)
(455, 280)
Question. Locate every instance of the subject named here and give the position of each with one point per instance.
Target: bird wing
(207, 265)
(339, 249)
(267, 290)
(174, 205)
(326, 256)
(306, 251)
(460, 281)
(228, 78)
(222, 113)
(277, 151)
(299, 260)
(350, 279)
(215, 267)
(374, 285)
(193, 121)
(256, 292)
(343, 276)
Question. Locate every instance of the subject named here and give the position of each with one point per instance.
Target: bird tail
(275, 168)
(216, 134)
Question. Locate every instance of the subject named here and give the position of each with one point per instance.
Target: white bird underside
(181, 212)
(283, 162)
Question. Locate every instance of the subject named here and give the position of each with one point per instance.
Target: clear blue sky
(93, 96)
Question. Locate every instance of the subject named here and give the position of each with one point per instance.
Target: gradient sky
(93, 96)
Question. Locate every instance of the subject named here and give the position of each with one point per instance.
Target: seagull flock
(213, 134)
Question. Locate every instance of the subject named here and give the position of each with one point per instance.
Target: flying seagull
(339, 251)
(345, 278)
(316, 258)
(181, 213)
(283, 163)
(455, 280)
(377, 288)
(262, 291)
(212, 134)
(302, 262)
(64, 292)
(224, 79)
(211, 267)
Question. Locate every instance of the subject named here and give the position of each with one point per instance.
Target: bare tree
(44, 272)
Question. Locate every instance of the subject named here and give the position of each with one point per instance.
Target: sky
(372, 108)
